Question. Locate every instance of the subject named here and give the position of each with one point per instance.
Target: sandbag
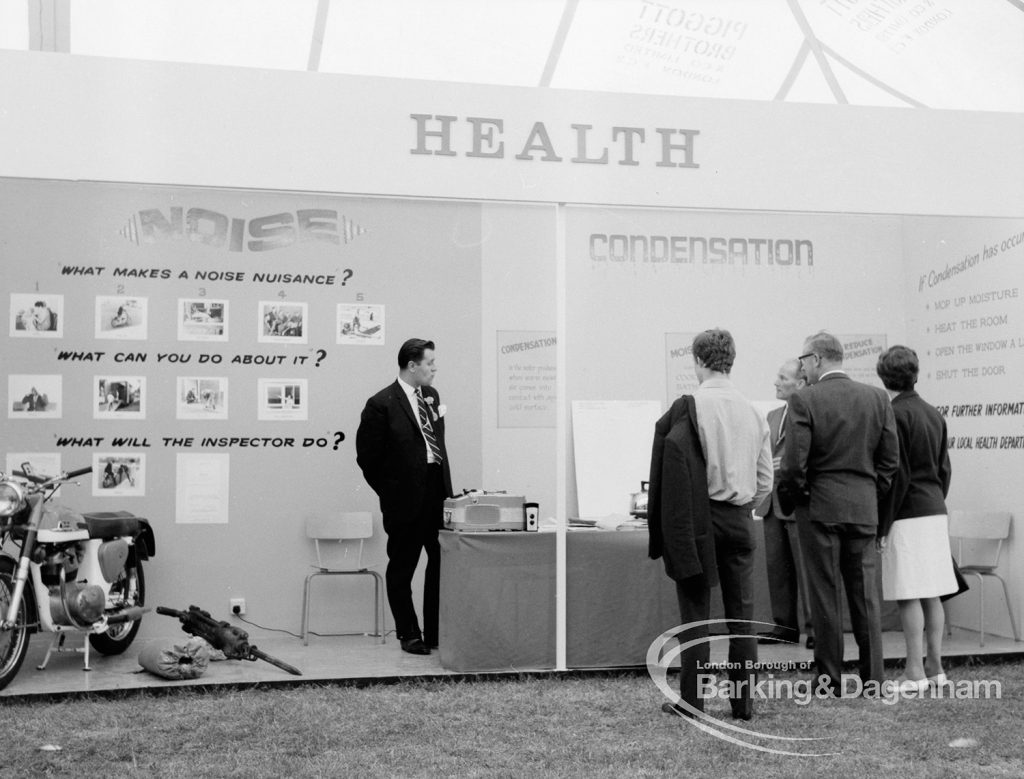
(176, 661)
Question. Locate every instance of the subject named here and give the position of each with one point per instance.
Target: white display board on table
(612, 448)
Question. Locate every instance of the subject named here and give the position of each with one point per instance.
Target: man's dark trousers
(836, 554)
(734, 552)
(787, 577)
(404, 547)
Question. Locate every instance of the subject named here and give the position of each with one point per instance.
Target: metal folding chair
(343, 529)
(977, 538)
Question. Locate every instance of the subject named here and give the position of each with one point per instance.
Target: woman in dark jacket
(913, 533)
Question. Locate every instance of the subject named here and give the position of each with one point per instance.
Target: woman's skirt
(917, 562)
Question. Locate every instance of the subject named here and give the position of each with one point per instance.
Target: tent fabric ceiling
(943, 54)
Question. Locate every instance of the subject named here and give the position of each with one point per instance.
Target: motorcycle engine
(77, 605)
(58, 562)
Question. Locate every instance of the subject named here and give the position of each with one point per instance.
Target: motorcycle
(73, 573)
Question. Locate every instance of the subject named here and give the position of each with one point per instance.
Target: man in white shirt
(700, 516)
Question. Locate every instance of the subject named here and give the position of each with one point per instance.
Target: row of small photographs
(113, 473)
(36, 315)
(124, 397)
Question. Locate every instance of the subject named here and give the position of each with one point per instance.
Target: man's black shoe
(778, 637)
(415, 646)
(809, 643)
(675, 709)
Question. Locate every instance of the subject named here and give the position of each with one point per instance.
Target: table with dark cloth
(498, 600)
(618, 600)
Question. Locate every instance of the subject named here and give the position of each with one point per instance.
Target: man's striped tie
(428, 429)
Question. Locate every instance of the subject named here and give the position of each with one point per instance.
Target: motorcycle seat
(111, 524)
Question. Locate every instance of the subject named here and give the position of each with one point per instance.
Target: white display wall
(644, 282)
(965, 318)
(257, 324)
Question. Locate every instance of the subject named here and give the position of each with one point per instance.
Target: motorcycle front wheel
(13, 642)
(128, 590)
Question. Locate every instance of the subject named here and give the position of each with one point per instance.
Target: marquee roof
(939, 54)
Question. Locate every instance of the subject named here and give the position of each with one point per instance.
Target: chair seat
(325, 569)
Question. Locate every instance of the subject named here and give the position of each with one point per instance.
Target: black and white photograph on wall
(282, 323)
(121, 317)
(35, 315)
(282, 399)
(202, 397)
(39, 464)
(200, 319)
(360, 324)
(120, 473)
(34, 396)
(119, 397)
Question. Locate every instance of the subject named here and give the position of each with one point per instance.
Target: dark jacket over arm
(678, 510)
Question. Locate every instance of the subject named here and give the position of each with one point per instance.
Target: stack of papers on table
(609, 522)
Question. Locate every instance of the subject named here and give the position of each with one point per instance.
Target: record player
(477, 511)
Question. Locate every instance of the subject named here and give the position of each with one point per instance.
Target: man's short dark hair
(412, 351)
(715, 349)
(897, 368)
(825, 345)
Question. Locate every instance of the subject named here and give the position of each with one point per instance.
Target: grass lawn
(572, 725)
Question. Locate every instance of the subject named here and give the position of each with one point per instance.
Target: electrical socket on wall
(238, 606)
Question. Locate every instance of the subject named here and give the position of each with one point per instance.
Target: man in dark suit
(401, 451)
(787, 578)
(710, 465)
(842, 451)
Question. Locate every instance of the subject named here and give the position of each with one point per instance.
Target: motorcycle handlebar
(46, 479)
(30, 476)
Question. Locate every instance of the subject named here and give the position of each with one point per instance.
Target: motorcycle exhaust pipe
(128, 615)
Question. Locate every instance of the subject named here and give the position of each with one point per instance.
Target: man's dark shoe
(415, 646)
(778, 637)
(675, 709)
(743, 715)
(809, 643)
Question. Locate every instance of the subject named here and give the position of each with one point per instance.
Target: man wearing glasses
(841, 456)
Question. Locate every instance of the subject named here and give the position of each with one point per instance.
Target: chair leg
(1009, 608)
(981, 608)
(378, 604)
(381, 617)
(378, 601)
(305, 610)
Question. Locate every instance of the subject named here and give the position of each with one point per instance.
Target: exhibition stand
(216, 326)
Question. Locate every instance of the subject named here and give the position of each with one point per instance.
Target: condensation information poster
(527, 392)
